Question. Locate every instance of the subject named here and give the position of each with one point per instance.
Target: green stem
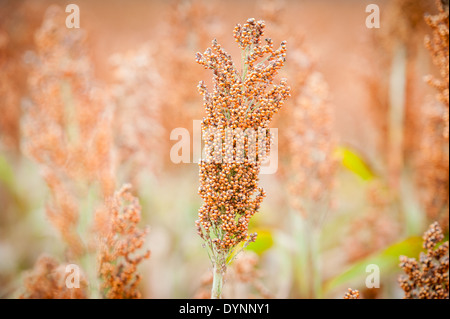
(218, 280)
(309, 278)
(244, 60)
(314, 262)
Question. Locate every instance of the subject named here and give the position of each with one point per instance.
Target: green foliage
(8, 183)
(354, 163)
(263, 242)
(387, 260)
(6, 174)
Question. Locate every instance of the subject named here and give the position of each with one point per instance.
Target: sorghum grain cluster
(437, 44)
(428, 277)
(240, 100)
(351, 294)
(47, 280)
(120, 240)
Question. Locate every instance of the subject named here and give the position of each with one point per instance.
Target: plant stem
(314, 262)
(308, 261)
(397, 88)
(218, 273)
(244, 60)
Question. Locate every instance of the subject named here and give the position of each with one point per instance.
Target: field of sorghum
(99, 149)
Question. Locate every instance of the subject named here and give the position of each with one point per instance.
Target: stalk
(218, 280)
(399, 180)
(314, 262)
(310, 277)
(229, 189)
(88, 260)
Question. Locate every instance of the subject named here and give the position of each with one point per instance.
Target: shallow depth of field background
(379, 203)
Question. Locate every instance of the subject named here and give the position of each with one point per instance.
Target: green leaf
(354, 163)
(6, 174)
(8, 181)
(263, 242)
(388, 260)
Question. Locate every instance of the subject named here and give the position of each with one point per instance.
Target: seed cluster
(137, 114)
(241, 101)
(120, 240)
(438, 47)
(47, 280)
(428, 277)
(433, 155)
(352, 294)
(67, 124)
(312, 147)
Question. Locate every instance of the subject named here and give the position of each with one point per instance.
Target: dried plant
(428, 277)
(245, 271)
(404, 21)
(9, 95)
(67, 124)
(433, 165)
(47, 280)
(351, 294)
(16, 25)
(137, 112)
(190, 25)
(119, 242)
(240, 100)
(190, 22)
(433, 158)
(376, 228)
(69, 131)
(85, 138)
(394, 88)
(312, 163)
(63, 212)
(438, 47)
(312, 149)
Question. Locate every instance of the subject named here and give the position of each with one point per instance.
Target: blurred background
(363, 141)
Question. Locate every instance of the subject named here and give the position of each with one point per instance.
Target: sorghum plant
(189, 25)
(433, 164)
(241, 99)
(119, 240)
(312, 147)
(246, 272)
(66, 128)
(312, 165)
(47, 280)
(137, 111)
(351, 294)
(9, 95)
(244, 279)
(15, 30)
(438, 47)
(433, 158)
(68, 131)
(375, 228)
(428, 277)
